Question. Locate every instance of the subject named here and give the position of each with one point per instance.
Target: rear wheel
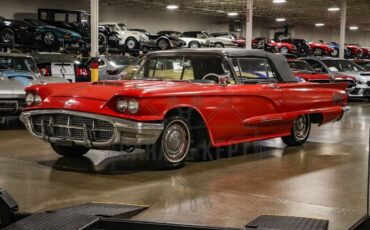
(284, 50)
(131, 43)
(219, 45)
(334, 53)
(163, 44)
(317, 52)
(70, 151)
(173, 146)
(49, 39)
(194, 44)
(7, 36)
(303, 50)
(102, 41)
(300, 131)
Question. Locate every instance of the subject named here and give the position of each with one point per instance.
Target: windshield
(18, 64)
(122, 26)
(122, 60)
(365, 65)
(206, 34)
(342, 66)
(300, 66)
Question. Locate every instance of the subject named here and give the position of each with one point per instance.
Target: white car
(213, 41)
(190, 42)
(131, 39)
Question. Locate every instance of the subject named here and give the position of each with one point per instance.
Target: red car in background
(169, 108)
(303, 70)
(320, 49)
(259, 43)
(354, 51)
(280, 47)
(366, 53)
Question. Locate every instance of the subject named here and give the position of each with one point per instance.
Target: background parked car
(18, 71)
(303, 70)
(354, 51)
(303, 48)
(16, 33)
(320, 49)
(163, 42)
(280, 47)
(240, 41)
(130, 39)
(364, 63)
(61, 65)
(52, 37)
(190, 42)
(259, 43)
(335, 52)
(213, 41)
(111, 66)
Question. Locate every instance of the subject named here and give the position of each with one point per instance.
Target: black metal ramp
(269, 222)
(82, 216)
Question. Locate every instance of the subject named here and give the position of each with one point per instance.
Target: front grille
(72, 127)
(351, 83)
(320, 81)
(11, 105)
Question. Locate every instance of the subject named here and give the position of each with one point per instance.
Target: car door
(256, 99)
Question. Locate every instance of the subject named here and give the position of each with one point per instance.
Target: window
(171, 68)
(317, 66)
(72, 18)
(342, 66)
(202, 36)
(18, 63)
(60, 17)
(43, 16)
(254, 70)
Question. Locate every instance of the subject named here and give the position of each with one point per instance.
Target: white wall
(153, 21)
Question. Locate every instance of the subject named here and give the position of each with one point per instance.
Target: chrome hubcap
(284, 50)
(318, 52)
(176, 141)
(301, 127)
(49, 39)
(7, 36)
(163, 45)
(131, 44)
(194, 45)
(334, 52)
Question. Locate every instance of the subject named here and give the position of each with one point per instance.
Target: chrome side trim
(126, 132)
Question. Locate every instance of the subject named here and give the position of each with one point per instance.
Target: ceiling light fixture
(232, 14)
(172, 7)
(280, 19)
(333, 9)
(319, 24)
(278, 1)
(353, 27)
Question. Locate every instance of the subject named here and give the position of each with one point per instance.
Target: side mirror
(224, 80)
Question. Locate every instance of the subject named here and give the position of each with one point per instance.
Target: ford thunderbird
(183, 99)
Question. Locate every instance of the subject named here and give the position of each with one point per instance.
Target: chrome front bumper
(126, 132)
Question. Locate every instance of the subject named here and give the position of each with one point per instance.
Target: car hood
(104, 90)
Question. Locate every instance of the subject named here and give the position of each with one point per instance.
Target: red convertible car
(280, 47)
(183, 99)
(320, 49)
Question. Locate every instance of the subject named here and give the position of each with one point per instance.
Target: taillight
(113, 72)
(82, 72)
(45, 71)
(339, 99)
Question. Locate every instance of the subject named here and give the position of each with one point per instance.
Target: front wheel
(173, 146)
(70, 151)
(318, 52)
(194, 44)
(49, 39)
(219, 45)
(284, 50)
(300, 131)
(163, 44)
(131, 43)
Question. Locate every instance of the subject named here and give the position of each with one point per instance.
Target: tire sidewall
(194, 42)
(308, 132)
(131, 39)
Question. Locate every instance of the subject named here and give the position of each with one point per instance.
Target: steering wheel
(212, 76)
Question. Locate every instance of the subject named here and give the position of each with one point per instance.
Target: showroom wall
(154, 21)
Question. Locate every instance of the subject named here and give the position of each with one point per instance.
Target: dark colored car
(16, 33)
(79, 22)
(303, 48)
(54, 37)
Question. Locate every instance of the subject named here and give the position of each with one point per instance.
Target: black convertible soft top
(278, 60)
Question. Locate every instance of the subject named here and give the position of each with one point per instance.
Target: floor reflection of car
(61, 65)
(18, 71)
(179, 100)
(111, 66)
(341, 68)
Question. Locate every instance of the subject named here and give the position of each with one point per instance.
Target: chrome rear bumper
(125, 132)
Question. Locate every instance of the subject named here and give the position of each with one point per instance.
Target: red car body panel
(355, 50)
(327, 49)
(276, 46)
(233, 114)
(313, 76)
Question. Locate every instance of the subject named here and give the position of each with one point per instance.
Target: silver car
(337, 67)
(111, 66)
(18, 71)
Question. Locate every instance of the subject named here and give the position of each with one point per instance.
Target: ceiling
(295, 11)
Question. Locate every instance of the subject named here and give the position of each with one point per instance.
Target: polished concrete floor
(325, 178)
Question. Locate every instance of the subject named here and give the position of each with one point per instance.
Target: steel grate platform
(268, 222)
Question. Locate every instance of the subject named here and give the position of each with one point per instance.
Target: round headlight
(37, 99)
(29, 99)
(133, 106)
(121, 105)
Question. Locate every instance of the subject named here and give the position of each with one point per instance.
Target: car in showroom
(354, 51)
(364, 63)
(51, 37)
(218, 42)
(342, 68)
(16, 33)
(190, 42)
(61, 65)
(335, 52)
(132, 40)
(159, 110)
(303, 70)
(160, 42)
(259, 42)
(280, 47)
(240, 41)
(18, 71)
(320, 49)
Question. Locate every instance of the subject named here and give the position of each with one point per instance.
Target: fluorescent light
(278, 1)
(353, 27)
(319, 24)
(232, 14)
(280, 19)
(172, 7)
(333, 9)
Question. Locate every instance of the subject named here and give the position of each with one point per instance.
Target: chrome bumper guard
(126, 132)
